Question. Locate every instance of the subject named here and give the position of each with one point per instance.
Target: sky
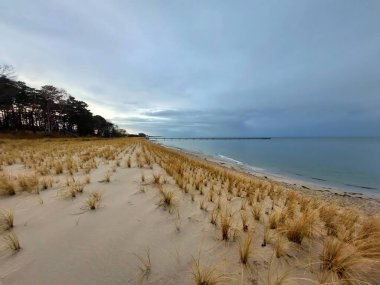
(206, 68)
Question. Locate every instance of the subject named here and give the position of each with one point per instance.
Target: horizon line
(265, 137)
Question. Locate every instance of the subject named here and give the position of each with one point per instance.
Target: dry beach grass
(122, 196)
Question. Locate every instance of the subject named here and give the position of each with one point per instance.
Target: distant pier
(208, 138)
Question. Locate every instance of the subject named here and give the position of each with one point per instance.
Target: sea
(347, 164)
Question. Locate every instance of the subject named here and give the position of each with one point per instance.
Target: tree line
(48, 109)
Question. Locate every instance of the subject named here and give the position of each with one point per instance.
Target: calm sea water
(351, 164)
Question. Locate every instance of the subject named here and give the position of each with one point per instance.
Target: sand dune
(64, 242)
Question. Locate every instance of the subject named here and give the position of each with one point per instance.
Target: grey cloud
(220, 67)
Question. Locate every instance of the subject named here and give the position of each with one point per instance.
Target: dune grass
(347, 262)
(167, 198)
(178, 221)
(274, 219)
(266, 236)
(107, 177)
(348, 242)
(281, 246)
(142, 177)
(93, 200)
(128, 162)
(46, 183)
(156, 178)
(87, 179)
(58, 168)
(77, 187)
(245, 248)
(6, 220)
(244, 220)
(297, 229)
(192, 195)
(10, 241)
(256, 211)
(205, 275)
(225, 223)
(214, 216)
(145, 266)
(339, 258)
(203, 204)
(7, 187)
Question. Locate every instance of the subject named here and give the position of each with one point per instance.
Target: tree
(101, 126)
(6, 71)
(8, 93)
(49, 109)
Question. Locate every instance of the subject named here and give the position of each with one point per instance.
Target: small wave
(319, 179)
(257, 169)
(359, 186)
(230, 159)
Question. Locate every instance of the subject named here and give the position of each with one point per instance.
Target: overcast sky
(199, 68)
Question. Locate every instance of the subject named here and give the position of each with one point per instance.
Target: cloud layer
(264, 68)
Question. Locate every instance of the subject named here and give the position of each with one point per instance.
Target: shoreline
(366, 203)
(163, 214)
(356, 178)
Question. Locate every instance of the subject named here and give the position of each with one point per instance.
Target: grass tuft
(167, 198)
(93, 200)
(145, 266)
(281, 246)
(6, 220)
(225, 223)
(58, 168)
(297, 229)
(107, 176)
(192, 195)
(77, 187)
(214, 216)
(7, 186)
(178, 222)
(348, 262)
(10, 241)
(274, 219)
(203, 204)
(256, 211)
(46, 183)
(142, 177)
(266, 237)
(244, 220)
(245, 248)
(204, 275)
(88, 179)
(28, 183)
(156, 178)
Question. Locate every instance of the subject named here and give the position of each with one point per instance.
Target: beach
(367, 203)
(127, 211)
(338, 164)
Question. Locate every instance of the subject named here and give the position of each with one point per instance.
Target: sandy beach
(127, 211)
(368, 204)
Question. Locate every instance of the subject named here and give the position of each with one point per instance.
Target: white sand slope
(65, 243)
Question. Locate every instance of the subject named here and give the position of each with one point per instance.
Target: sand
(64, 243)
(367, 204)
